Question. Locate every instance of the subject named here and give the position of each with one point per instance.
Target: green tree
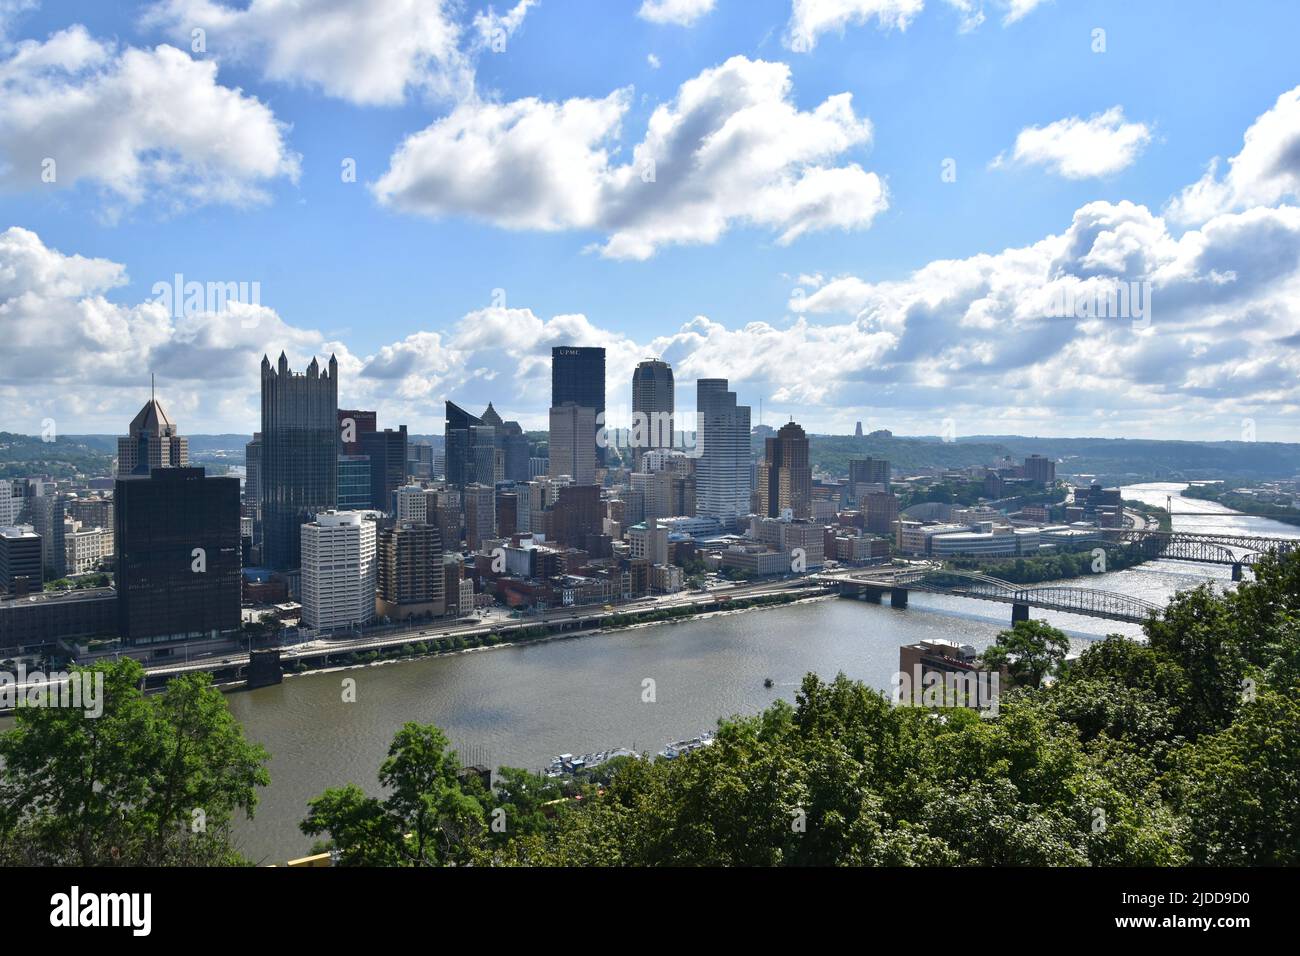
(1030, 651)
(426, 819)
(150, 781)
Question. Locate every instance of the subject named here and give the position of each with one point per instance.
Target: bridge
(871, 584)
(1236, 551)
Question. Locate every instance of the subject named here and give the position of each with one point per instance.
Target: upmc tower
(578, 376)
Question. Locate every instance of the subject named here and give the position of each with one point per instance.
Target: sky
(1038, 217)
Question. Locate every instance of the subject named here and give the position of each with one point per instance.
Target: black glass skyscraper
(178, 555)
(300, 447)
(387, 453)
(578, 376)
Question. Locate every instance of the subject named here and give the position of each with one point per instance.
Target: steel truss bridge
(1089, 602)
(1236, 550)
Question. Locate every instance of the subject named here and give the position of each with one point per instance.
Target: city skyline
(895, 271)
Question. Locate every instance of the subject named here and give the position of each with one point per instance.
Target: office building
(300, 448)
(1040, 470)
(387, 453)
(480, 515)
(652, 408)
(411, 578)
(21, 568)
(723, 478)
(353, 424)
(785, 475)
(253, 473)
(178, 555)
(152, 441)
(868, 471)
(338, 570)
(355, 491)
(578, 377)
(572, 449)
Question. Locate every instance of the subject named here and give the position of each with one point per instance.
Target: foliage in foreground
(1183, 750)
(152, 781)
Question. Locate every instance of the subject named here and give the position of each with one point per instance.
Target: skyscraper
(253, 473)
(387, 453)
(723, 479)
(338, 570)
(300, 447)
(178, 555)
(785, 476)
(410, 572)
(652, 407)
(152, 441)
(573, 453)
(578, 376)
(354, 423)
(471, 448)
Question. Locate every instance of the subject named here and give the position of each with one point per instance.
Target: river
(518, 706)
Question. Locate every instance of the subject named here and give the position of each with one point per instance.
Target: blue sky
(432, 284)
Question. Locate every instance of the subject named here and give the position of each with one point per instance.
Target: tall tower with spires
(300, 448)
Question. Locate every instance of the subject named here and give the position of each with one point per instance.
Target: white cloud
(683, 13)
(730, 148)
(139, 124)
(1265, 171)
(653, 61)
(355, 50)
(811, 18)
(1078, 148)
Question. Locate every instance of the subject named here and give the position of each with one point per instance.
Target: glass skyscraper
(578, 376)
(178, 555)
(300, 448)
(723, 479)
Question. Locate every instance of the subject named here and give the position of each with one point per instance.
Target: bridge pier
(871, 595)
(1236, 571)
(1019, 612)
(898, 597)
(264, 668)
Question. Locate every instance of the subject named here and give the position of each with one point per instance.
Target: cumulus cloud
(811, 18)
(1265, 171)
(731, 147)
(355, 50)
(135, 123)
(683, 13)
(1076, 148)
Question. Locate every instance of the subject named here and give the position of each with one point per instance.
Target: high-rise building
(785, 476)
(355, 492)
(880, 511)
(578, 376)
(338, 570)
(253, 473)
(649, 541)
(21, 568)
(387, 453)
(572, 451)
(11, 502)
(411, 505)
(354, 423)
(464, 433)
(652, 408)
(723, 479)
(480, 515)
(300, 447)
(868, 471)
(47, 511)
(1040, 470)
(178, 555)
(411, 578)
(152, 441)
